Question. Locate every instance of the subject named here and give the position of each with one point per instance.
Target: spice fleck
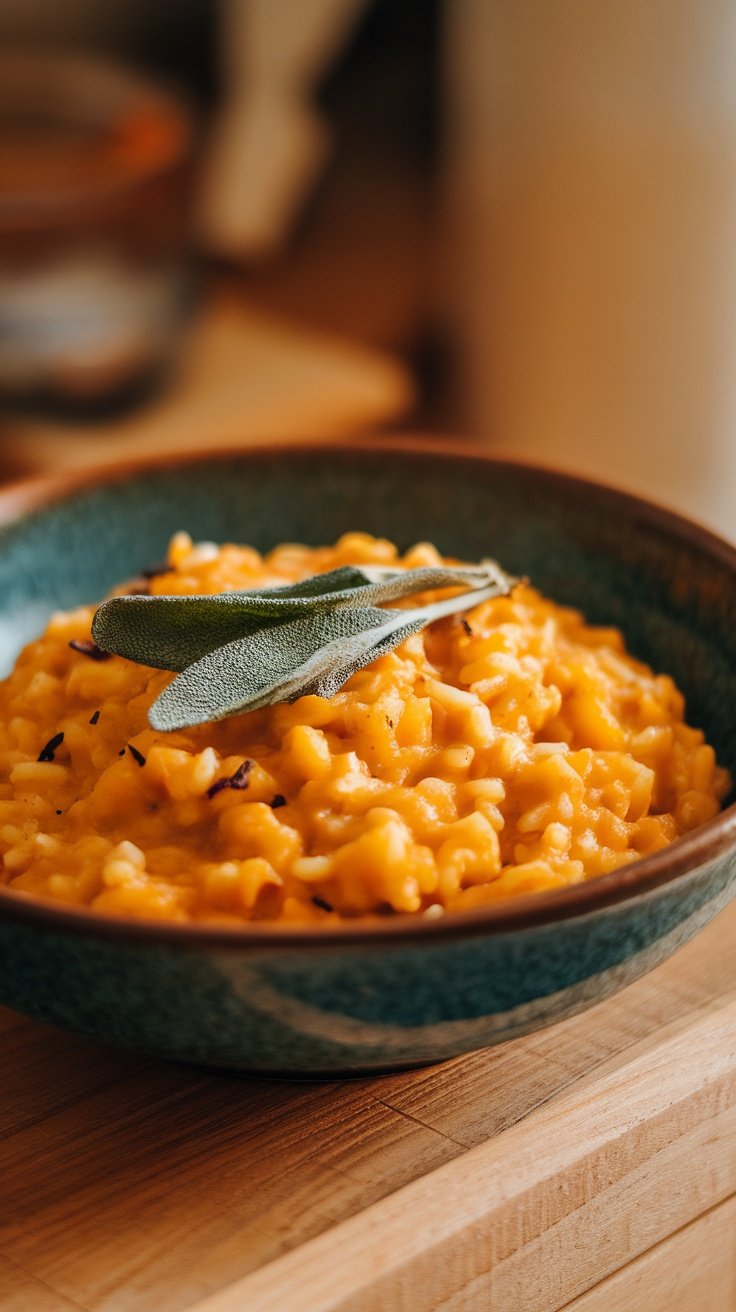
(47, 752)
(86, 647)
(237, 780)
(322, 903)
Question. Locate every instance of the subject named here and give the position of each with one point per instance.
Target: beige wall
(591, 173)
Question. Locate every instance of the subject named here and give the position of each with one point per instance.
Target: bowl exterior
(337, 1009)
(349, 1006)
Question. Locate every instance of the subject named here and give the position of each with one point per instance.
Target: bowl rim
(28, 497)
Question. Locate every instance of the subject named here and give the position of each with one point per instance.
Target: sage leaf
(314, 653)
(170, 632)
(413, 621)
(275, 664)
(174, 632)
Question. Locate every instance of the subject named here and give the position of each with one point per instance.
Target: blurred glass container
(95, 270)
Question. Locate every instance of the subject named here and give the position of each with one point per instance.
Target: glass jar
(95, 269)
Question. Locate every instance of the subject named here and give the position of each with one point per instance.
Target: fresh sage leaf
(315, 653)
(275, 664)
(390, 637)
(173, 632)
(237, 651)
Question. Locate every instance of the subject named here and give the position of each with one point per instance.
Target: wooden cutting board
(590, 1167)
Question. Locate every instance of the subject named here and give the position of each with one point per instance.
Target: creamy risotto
(506, 751)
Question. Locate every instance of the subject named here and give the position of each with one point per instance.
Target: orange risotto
(509, 750)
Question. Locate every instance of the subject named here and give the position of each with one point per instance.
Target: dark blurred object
(95, 175)
(362, 257)
(242, 377)
(173, 41)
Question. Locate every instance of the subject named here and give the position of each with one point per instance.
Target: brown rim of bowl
(687, 854)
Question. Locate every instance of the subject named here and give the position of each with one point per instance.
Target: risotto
(506, 751)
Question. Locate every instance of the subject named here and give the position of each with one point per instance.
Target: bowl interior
(670, 587)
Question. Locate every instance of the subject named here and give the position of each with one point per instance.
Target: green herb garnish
(238, 651)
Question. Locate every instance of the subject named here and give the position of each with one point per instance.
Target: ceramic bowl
(403, 992)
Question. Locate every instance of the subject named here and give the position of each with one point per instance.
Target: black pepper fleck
(277, 801)
(322, 903)
(47, 752)
(467, 627)
(137, 756)
(95, 717)
(237, 780)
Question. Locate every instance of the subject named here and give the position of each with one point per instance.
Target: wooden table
(590, 1167)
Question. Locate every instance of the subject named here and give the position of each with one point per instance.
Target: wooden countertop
(589, 1167)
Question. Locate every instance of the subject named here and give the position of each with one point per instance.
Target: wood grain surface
(529, 1177)
(693, 1270)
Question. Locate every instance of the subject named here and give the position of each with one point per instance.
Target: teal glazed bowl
(398, 992)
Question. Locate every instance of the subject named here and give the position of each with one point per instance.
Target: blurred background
(239, 221)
